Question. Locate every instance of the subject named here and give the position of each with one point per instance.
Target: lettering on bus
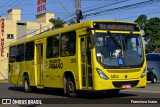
(116, 26)
(114, 76)
(2, 37)
(55, 64)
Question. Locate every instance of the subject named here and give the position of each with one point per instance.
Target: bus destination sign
(117, 26)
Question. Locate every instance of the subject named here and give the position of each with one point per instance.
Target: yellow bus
(95, 55)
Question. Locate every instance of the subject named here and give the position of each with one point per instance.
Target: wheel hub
(71, 87)
(26, 84)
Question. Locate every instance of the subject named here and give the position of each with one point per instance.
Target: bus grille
(118, 84)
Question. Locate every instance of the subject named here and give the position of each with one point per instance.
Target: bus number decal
(73, 60)
(114, 76)
(55, 64)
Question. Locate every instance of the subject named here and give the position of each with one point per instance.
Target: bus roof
(85, 24)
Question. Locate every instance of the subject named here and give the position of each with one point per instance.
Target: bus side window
(12, 54)
(52, 47)
(29, 51)
(68, 44)
(20, 53)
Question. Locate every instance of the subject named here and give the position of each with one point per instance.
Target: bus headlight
(101, 74)
(144, 73)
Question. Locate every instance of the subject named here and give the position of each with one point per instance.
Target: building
(14, 28)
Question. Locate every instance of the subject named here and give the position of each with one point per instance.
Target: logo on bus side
(55, 64)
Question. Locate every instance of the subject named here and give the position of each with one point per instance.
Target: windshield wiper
(114, 39)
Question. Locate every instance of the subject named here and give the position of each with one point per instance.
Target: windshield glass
(119, 50)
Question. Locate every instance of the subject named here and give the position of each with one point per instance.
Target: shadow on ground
(81, 94)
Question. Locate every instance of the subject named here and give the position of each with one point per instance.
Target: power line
(124, 7)
(137, 16)
(93, 9)
(12, 5)
(68, 12)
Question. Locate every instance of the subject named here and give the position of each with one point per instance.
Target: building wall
(19, 29)
(14, 14)
(9, 29)
(44, 17)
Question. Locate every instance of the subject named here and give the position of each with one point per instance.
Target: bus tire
(26, 84)
(33, 88)
(70, 87)
(154, 80)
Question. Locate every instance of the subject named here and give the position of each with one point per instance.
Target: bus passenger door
(39, 63)
(86, 69)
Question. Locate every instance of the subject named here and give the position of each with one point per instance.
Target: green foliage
(152, 32)
(57, 23)
(141, 20)
(72, 22)
(151, 29)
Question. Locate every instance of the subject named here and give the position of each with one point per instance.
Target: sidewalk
(3, 81)
(150, 88)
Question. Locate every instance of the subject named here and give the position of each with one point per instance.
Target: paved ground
(57, 98)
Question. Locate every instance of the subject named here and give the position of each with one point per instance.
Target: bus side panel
(10, 72)
(71, 64)
(53, 74)
(29, 68)
(21, 67)
(14, 73)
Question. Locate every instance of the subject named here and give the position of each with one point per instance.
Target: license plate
(126, 86)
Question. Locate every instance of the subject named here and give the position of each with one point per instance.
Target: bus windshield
(119, 50)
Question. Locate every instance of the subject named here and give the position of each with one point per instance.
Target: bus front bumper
(118, 84)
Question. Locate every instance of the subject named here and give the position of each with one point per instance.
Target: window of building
(29, 51)
(68, 44)
(10, 36)
(12, 54)
(20, 53)
(52, 47)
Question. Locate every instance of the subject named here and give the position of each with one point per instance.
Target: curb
(3, 81)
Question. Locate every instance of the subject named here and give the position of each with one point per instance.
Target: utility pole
(78, 11)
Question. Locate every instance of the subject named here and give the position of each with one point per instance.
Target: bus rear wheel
(26, 84)
(70, 87)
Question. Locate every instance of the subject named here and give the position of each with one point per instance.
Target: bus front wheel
(70, 87)
(26, 84)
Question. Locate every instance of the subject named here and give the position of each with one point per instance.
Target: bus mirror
(93, 38)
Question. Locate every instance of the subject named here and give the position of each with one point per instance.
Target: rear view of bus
(118, 57)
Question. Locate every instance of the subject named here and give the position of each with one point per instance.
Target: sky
(91, 9)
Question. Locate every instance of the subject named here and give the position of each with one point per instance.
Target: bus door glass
(39, 59)
(86, 70)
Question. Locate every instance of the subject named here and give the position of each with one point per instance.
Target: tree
(57, 23)
(151, 30)
(72, 22)
(152, 33)
(142, 20)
